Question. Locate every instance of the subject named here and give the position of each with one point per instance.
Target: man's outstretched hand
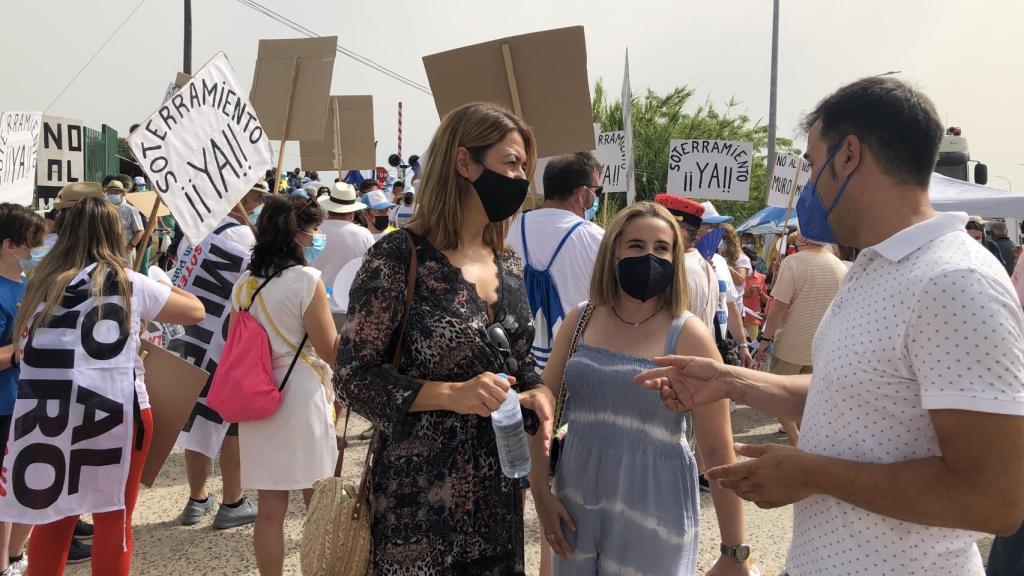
(687, 382)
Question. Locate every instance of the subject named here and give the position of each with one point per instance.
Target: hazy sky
(965, 55)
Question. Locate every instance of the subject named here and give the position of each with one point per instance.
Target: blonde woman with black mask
(625, 497)
(441, 504)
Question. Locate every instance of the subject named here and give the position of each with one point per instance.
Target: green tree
(657, 119)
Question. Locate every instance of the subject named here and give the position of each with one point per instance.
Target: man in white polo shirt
(913, 425)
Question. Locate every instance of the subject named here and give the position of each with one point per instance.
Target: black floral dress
(441, 503)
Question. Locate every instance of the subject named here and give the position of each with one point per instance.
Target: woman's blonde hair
(92, 234)
(604, 286)
(731, 249)
(475, 127)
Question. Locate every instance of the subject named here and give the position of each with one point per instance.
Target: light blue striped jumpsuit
(626, 475)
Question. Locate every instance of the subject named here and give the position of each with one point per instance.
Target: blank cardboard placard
(551, 75)
(144, 202)
(174, 385)
(271, 84)
(358, 151)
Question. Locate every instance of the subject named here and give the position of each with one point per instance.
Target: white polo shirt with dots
(926, 320)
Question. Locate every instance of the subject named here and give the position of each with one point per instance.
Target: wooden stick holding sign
(287, 120)
(517, 107)
(140, 250)
(337, 134)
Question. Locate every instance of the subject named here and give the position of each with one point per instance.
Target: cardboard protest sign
(802, 178)
(19, 141)
(60, 160)
(614, 159)
(203, 149)
(71, 440)
(173, 385)
(783, 180)
(312, 61)
(542, 163)
(546, 75)
(209, 270)
(709, 169)
(144, 202)
(351, 129)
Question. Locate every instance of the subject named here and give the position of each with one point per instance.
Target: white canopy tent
(951, 195)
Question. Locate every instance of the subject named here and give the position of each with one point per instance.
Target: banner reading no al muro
(203, 149)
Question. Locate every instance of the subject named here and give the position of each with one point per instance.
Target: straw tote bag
(336, 537)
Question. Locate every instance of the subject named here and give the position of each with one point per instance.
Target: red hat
(684, 209)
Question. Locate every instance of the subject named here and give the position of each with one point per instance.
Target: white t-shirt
(702, 283)
(148, 299)
(926, 320)
(240, 234)
(401, 214)
(346, 241)
(571, 271)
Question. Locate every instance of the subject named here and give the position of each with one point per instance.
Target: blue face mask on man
(592, 211)
(811, 212)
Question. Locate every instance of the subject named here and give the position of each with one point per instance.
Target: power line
(339, 48)
(95, 54)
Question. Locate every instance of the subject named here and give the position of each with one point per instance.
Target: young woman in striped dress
(625, 496)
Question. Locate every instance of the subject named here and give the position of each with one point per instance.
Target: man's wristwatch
(739, 553)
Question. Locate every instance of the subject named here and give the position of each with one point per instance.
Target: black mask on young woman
(501, 195)
(381, 222)
(645, 277)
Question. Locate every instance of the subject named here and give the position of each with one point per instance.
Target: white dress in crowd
(295, 446)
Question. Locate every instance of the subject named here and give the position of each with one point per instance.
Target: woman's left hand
(729, 567)
(542, 402)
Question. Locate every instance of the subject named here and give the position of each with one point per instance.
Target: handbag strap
(410, 287)
(581, 327)
(294, 360)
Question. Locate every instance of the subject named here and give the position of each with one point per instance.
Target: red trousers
(112, 538)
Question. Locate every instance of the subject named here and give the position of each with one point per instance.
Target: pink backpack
(243, 386)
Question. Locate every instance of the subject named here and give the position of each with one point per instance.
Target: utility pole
(186, 65)
(773, 95)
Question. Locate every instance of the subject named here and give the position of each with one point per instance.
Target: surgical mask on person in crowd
(115, 198)
(381, 222)
(645, 277)
(254, 215)
(810, 211)
(591, 212)
(33, 261)
(501, 195)
(312, 252)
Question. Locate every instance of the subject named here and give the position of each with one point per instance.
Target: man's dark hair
(564, 174)
(398, 184)
(367, 185)
(128, 182)
(20, 225)
(314, 176)
(895, 121)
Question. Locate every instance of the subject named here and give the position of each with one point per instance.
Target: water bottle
(513, 451)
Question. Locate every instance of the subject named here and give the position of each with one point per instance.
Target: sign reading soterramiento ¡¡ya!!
(203, 149)
(709, 169)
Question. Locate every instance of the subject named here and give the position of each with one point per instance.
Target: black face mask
(645, 277)
(501, 196)
(381, 222)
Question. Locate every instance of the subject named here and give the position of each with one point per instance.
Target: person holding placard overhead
(78, 345)
(440, 502)
(295, 446)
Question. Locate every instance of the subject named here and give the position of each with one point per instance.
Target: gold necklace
(633, 324)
